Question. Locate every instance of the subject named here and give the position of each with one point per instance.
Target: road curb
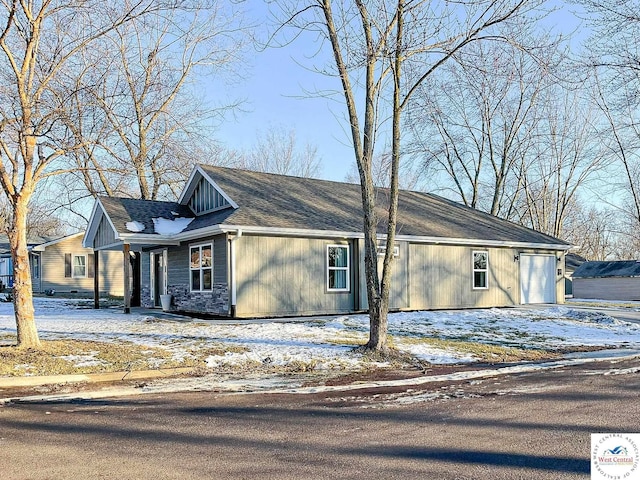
(230, 388)
(36, 381)
(457, 376)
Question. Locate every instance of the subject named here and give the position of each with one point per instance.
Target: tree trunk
(22, 292)
(379, 313)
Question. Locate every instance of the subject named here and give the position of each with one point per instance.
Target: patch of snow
(84, 360)
(135, 226)
(165, 226)
(328, 344)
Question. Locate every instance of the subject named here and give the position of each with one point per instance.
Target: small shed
(615, 280)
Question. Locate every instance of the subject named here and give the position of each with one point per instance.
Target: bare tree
(277, 151)
(613, 56)
(564, 158)
(40, 221)
(39, 41)
(138, 112)
(382, 52)
(593, 232)
(410, 174)
(477, 130)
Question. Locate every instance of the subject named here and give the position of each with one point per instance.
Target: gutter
(232, 273)
(309, 233)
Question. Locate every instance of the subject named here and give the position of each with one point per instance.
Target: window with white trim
(75, 266)
(201, 267)
(79, 266)
(35, 266)
(480, 270)
(338, 268)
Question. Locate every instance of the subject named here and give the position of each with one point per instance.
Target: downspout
(233, 286)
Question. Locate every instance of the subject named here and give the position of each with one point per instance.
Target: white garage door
(537, 278)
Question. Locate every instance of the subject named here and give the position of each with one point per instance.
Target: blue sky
(276, 89)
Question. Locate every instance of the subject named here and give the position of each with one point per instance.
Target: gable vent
(206, 198)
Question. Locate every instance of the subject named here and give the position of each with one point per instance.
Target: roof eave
(479, 241)
(176, 239)
(149, 238)
(94, 222)
(298, 232)
(43, 246)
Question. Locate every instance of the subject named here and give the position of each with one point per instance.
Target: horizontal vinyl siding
(52, 269)
(178, 261)
(607, 288)
(441, 276)
(287, 276)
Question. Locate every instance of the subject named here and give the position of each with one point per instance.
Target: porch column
(96, 279)
(126, 274)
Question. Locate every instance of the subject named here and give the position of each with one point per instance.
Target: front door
(158, 275)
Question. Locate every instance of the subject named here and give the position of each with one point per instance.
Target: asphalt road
(526, 426)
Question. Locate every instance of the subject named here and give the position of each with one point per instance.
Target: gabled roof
(291, 205)
(42, 246)
(124, 210)
(624, 268)
(5, 247)
(572, 261)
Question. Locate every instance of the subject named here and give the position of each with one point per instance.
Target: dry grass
(485, 352)
(62, 357)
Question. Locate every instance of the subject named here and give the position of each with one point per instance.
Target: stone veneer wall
(216, 302)
(145, 296)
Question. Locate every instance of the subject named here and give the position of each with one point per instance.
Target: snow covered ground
(328, 342)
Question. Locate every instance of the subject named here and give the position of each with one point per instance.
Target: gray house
(618, 280)
(247, 244)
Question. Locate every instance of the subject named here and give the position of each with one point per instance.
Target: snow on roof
(164, 226)
(135, 226)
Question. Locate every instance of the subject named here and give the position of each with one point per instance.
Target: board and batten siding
(52, 269)
(399, 293)
(287, 276)
(104, 234)
(612, 288)
(441, 276)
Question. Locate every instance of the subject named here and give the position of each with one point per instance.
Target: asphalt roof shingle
(622, 268)
(269, 200)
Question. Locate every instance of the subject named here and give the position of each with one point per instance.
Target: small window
(35, 266)
(480, 269)
(79, 266)
(338, 268)
(201, 267)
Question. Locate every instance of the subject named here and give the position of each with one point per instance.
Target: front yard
(78, 339)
